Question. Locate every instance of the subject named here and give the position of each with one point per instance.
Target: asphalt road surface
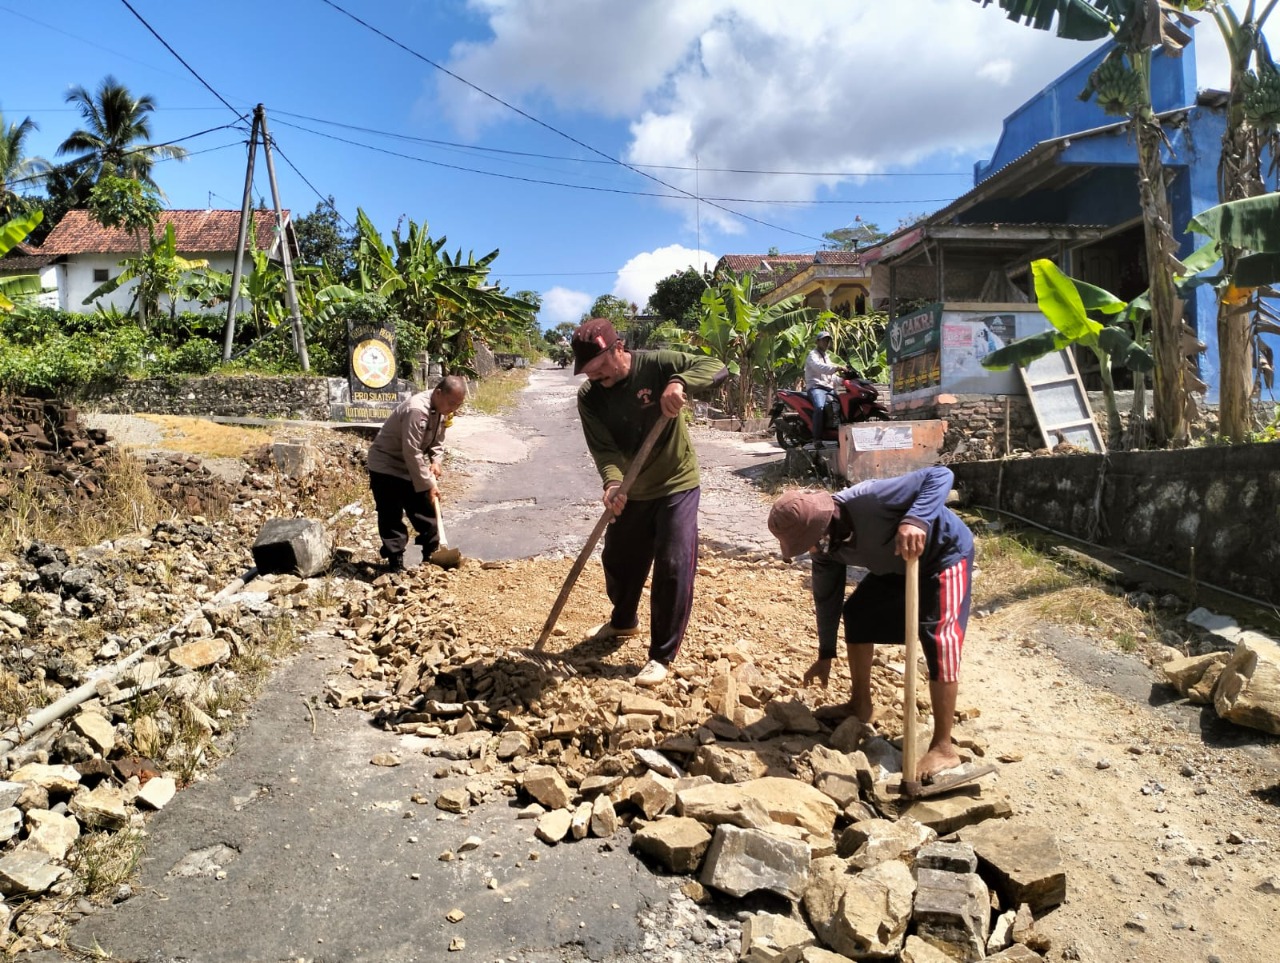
(296, 848)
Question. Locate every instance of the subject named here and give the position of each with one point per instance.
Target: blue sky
(564, 118)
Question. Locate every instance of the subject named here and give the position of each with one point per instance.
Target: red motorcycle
(854, 400)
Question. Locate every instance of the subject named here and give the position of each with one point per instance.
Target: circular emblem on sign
(373, 363)
(895, 337)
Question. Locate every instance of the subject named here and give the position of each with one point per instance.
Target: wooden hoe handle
(633, 470)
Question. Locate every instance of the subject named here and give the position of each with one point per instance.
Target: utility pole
(286, 256)
(246, 206)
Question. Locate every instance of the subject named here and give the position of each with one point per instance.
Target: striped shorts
(875, 612)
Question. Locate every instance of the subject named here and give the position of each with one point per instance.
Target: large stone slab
(766, 937)
(26, 872)
(741, 861)
(1183, 673)
(1021, 862)
(953, 912)
(292, 545)
(966, 806)
(676, 843)
(862, 915)
(1248, 691)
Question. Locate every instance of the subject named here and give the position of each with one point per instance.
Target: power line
(590, 160)
(73, 164)
(556, 130)
(604, 190)
(178, 56)
(323, 198)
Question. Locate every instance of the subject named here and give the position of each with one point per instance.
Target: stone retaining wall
(1210, 513)
(259, 396)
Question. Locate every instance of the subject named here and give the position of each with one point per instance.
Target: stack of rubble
(46, 440)
(724, 774)
(120, 754)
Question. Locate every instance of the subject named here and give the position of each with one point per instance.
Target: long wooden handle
(435, 504)
(606, 516)
(909, 744)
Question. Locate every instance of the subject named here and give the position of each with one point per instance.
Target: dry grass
(1026, 588)
(102, 861)
(199, 436)
(497, 393)
(126, 505)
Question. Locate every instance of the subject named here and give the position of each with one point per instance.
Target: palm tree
(1122, 84)
(115, 123)
(14, 167)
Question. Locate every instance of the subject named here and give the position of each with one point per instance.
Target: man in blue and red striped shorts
(877, 525)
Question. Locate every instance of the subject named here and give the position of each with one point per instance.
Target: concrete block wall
(1213, 512)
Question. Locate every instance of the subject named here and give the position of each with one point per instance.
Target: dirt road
(295, 848)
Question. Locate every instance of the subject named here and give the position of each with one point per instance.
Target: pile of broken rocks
(724, 773)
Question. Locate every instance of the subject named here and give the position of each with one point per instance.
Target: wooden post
(229, 333)
(910, 748)
(286, 258)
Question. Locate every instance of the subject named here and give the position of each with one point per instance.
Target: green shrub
(196, 356)
(61, 363)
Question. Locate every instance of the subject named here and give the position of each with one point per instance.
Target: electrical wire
(294, 167)
(178, 57)
(588, 187)
(590, 160)
(73, 164)
(555, 130)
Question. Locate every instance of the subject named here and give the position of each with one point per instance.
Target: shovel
(444, 556)
(606, 516)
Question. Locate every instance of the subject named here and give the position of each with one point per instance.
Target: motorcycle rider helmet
(823, 334)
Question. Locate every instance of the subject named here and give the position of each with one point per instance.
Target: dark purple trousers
(662, 534)
(395, 498)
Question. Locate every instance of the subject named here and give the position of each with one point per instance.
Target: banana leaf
(1025, 350)
(13, 232)
(1123, 351)
(1257, 270)
(1251, 224)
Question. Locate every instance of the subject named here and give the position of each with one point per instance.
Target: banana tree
(1251, 229)
(745, 335)
(12, 233)
(1122, 85)
(158, 271)
(1252, 123)
(446, 301)
(1067, 303)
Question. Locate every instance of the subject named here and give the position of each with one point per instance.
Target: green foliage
(196, 356)
(133, 206)
(1067, 303)
(323, 239)
(63, 364)
(609, 306)
(114, 122)
(746, 335)
(677, 298)
(11, 235)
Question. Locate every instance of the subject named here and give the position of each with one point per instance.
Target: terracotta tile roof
(741, 263)
(197, 232)
(23, 259)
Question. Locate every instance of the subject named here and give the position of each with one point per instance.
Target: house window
(100, 275)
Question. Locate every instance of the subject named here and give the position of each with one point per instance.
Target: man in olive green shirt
(656, 523)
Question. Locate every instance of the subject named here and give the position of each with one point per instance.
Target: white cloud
(760, 85)
(640, 275)
(561, 304)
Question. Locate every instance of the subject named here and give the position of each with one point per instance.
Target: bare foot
(843, 710)
(937, 759)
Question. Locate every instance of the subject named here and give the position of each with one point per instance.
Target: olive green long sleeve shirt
(615, 421)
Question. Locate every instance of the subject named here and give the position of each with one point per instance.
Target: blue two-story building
(1062, 184)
